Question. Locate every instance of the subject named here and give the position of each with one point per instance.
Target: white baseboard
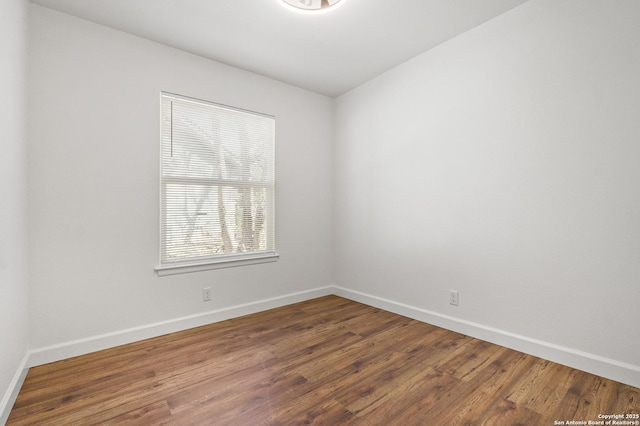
(605, 367)
(11, 394)
(595, 364)
(109, 340)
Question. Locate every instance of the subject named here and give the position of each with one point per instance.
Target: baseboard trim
(591, 363)
(605, 367)
(109, 340)
(11, 394)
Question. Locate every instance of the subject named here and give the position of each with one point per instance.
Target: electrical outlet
(206, 294)
(453, 297)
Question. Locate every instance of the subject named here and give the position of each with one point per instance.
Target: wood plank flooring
(326, 361)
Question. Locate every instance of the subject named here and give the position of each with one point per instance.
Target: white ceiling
(329, 53)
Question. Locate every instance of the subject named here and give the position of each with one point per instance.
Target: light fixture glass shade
(312, 6)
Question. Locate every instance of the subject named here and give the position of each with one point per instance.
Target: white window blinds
(217, 182)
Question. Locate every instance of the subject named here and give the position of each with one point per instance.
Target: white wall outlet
(453, 297)
(206, 294)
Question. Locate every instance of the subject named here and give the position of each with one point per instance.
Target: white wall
(504, 164)
(13, 195)
(94, 197)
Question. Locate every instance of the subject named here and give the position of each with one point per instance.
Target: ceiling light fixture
(312, 6)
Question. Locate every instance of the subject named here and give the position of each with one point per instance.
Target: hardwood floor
(325, 361)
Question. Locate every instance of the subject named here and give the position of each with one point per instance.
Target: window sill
(225, 262)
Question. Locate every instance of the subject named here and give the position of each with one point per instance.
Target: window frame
(216, 261)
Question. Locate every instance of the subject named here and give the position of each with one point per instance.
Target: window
(217, 186)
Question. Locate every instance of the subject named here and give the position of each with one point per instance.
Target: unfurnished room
(336, 212)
